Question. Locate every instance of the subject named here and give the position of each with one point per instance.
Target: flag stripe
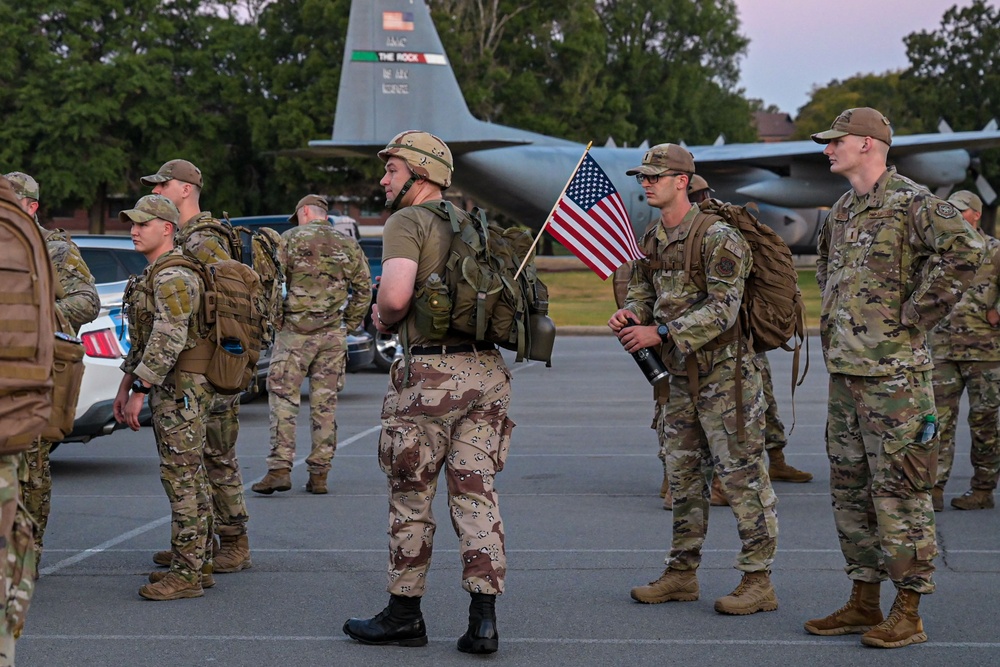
(591, 220)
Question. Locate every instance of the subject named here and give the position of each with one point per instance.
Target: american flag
(397, 21)
(591, 221)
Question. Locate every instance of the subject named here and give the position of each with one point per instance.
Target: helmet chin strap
(394, 203)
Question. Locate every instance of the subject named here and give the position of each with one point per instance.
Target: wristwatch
(662, 331)
(139, 388)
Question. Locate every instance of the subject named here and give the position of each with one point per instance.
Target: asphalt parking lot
(584, 524)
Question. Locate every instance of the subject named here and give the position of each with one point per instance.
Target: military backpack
(230, 318)
(492, 298)
(27, 328)
(265, 256)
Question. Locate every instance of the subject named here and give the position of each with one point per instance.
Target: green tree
(880, 91)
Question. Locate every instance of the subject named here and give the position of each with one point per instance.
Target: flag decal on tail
(397, 21)
(590, 219)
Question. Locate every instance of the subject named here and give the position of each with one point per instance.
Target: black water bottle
(649, 361)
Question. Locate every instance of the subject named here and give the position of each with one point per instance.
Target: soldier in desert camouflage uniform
(671, 310)
(163, 307)
(207, 239)
(329, 291)
(893, 260)
(446, 408)
(78, 303)
(966, 351)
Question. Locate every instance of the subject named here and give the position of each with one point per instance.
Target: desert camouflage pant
(880, 477)
(700, 437)
(453, 415)
(225, 481)
(982, 379)
(180, 412)
(36, 488)
(320, 356)
(17, 550)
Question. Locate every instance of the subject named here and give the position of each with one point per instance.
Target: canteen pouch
(433, 309)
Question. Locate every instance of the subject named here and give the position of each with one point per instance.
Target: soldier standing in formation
(966, 351)
(163, 307)
(893, 261)
(445, 408)
(329, 291)
(673, 311)
(775, 439)
(77, 303)
(205, 238)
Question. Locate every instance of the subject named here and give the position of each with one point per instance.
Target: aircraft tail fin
(396, 76)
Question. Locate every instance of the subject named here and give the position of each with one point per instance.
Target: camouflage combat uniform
(452, 414)
(891, 264)
(774, 428)
(700, 436)
(17, 553)
(223, 426)
(329, 291)
(966, 351)
(79, 305)
(164, 321)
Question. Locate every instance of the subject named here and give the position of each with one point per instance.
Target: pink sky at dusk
(797, 44)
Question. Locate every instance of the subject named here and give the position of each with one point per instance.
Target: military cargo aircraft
(396, 76)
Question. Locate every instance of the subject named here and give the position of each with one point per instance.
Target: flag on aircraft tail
(590, 219)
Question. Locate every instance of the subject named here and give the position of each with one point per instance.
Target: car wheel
(386, 346)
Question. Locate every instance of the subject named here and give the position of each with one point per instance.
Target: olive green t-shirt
(420, 235)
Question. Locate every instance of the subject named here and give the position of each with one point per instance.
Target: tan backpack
(227, 355)
(27, 328)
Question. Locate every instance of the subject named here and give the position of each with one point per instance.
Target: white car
(111, 259)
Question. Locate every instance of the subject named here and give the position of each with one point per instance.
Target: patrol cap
(861, 122)
(181, 170)
(151, 207)
(318, 201)
(663, 158)
(963, 199)
(24, 186)
(698, 184)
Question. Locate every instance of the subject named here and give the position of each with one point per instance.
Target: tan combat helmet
(427, 155)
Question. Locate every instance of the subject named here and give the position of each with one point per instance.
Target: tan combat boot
(171, 587)
(754, 593)
(974, 499)
(902, 628)
(233, 554)
(780, 471)
(937, 498)
(859, 615)
(274, 480)
(316, 483)
(718, 498)
(673, 585)
(207, 580)
(163, 557)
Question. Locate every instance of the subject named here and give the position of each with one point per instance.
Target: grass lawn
(581, 298)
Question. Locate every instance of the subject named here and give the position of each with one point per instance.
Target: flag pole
(552, 212)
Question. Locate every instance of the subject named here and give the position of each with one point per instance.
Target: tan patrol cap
(318, 201)
(663, 158)
(151, 207)
(698, 184)
(963, 199)
(861, 122)
(24, 186)
(181, 170)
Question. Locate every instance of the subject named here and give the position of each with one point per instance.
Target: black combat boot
(400, 623)
(482, 635)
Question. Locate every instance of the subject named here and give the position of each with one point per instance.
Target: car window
(109, 265)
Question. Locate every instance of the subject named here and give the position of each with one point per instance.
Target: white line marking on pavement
(124, 537)
(829, 642)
